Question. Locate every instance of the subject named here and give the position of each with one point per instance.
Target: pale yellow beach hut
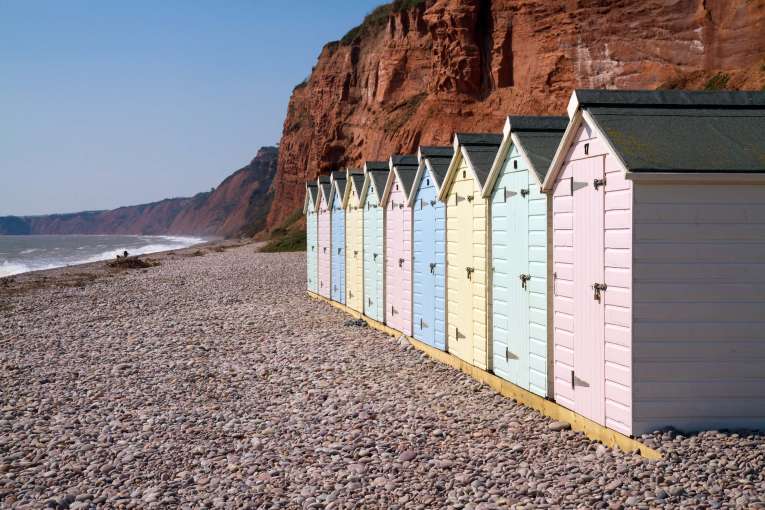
(354, 240)
(467, 247)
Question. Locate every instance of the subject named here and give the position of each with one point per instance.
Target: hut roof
(438, 158)
(539, 138)
(481, 149)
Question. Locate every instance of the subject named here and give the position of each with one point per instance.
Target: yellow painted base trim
(579, 423)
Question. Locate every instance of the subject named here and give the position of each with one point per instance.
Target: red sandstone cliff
(414, 75)
(238, 206)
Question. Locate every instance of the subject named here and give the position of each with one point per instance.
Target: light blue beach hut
(429, 247)
(520, 316)
(311, 225)
(375, 177)
(337, 211)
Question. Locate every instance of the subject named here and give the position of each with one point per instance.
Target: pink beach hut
(398, 243)
(658, 248)
(324, 233)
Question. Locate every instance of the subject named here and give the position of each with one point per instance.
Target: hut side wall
(699, 282)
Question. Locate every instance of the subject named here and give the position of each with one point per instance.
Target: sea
(21, 254)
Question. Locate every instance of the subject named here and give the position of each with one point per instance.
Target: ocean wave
(30, 250)
(159, 244)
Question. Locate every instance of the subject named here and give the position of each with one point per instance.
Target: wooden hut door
(517, 354)
(425, 259)
(587, 378)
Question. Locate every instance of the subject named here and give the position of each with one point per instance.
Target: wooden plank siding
(466, 246)
(354, 251)
(699, 317)
(311, 245)
(324, 243)
(612, 370)
(398, 259)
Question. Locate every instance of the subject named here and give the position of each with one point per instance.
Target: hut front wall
(428, 263)
(398, 261)
(311, 248)
(324, 255)
(519, 246)
(699, 277)
(338, 249)
(374, 305)
(466, 258)
(592, 243)
(354, 254)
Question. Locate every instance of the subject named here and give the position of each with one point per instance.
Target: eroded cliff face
(238, 206)
(448, 65)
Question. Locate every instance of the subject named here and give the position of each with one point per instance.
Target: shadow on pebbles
(214, 382)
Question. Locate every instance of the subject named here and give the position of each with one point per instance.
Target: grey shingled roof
(481, 148)
(686, 139)
(539, 138)
(406, 168)
(439, 159)
(325, 186)
(314, 192)
(378, 180)
(669, 98)
(377, 165)
(338, 176)
(358, 182)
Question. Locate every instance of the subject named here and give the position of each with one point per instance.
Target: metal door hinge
(599, 182)
(524, 279)
(507, 354)
(470, 271)
(598, 288)
(524, 192)
(572, 380)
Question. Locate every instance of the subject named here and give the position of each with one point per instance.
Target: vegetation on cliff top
(376, 20)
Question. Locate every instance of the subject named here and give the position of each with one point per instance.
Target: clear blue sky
(109, 103)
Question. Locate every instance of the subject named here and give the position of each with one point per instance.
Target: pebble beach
(212, 381)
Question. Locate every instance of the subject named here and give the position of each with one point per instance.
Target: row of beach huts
(612, 260)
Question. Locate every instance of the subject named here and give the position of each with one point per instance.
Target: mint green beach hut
(519, 251)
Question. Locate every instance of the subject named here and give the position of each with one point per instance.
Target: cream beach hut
(398, 243)
(519, 281)
(337, 212)
(312, 249)
(658, 259)
(375, 176)
(354, 240)
(467, 247)
(324, 233)
(429, 247)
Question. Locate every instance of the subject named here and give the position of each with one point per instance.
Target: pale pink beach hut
(325, 232)
(658, 255)
(398, 243)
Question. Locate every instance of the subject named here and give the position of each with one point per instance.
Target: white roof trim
(560, 153)
(573, 105)
(499, 160)
(459, 154)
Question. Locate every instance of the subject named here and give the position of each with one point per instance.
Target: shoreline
(77, 275)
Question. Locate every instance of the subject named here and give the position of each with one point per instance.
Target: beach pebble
(214, 382)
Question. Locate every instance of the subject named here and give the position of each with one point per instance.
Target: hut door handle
(325, 250)
(374, 256)
(470, 271)
(400, 262)
(524, 192)
(524, 279)
(432, 267)
(598, 288)
(339, 250)
(432, 203)
(598, 182)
